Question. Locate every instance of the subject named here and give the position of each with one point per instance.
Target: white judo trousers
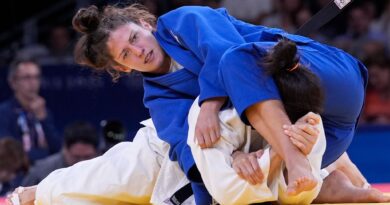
(223, 183)
(138, 172)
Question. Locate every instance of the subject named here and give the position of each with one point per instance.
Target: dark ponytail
(299, 88)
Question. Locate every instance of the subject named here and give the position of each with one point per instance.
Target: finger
(300, 146)
(207, 140)
(218, 131)
(217, 134)
(309, 129)
(238, 171)
(311, 121)
(299, 135)
(200, 139)
(314, 118)
(258, 174)
(213, 138)
(259, 153)
(242, 170)
(249, 173)
(310, 133)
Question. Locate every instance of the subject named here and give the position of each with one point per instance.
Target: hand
(247, 167)
(304, 134)
(22, 195)
(207, 129)
(310, 118)
(38, 108)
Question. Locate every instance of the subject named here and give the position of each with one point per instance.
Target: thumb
(259, 153)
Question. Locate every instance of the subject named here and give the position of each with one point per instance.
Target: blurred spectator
(179, 3)
(25, 116)
(251, 11)
(212, 3)
(157, 7)
(60, 47)
(336, 26)
(383, 24)
(13, 159)
(303, 16)
(285, 15)
(359, 31)
(80, 143)
(377, 108)
(113, 133)
(35, 51)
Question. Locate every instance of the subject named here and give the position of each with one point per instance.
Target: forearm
(268, 118)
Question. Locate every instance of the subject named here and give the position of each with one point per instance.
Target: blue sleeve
(244, 80)
(208, 33)
(169, 113)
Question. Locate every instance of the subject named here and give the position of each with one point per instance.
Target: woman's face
(134, 47)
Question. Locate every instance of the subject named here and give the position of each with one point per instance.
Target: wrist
(214, 104)
(236, 154)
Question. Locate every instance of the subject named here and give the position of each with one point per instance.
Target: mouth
(148, 57)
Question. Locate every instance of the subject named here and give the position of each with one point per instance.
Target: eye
(125, 54)
(133, 38)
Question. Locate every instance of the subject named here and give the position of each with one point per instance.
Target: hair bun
(86, 20)
(285, 54)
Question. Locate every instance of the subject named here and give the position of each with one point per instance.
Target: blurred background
(42, 30)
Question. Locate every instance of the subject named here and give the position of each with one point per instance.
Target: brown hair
(299, 88)
(12, 155)
(95, 25)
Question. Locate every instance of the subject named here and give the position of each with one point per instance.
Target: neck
(23, 100)
(164, 68)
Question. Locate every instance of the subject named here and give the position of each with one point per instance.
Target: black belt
(181, 195)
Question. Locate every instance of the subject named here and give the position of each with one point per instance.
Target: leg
(112, 178)
(337, 188)
(315, 159)
(345, 165)
(267, 118)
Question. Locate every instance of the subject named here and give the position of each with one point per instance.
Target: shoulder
(52, 162)
(6, 104)
(7, 108)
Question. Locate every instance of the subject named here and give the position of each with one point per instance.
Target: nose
(137, 51)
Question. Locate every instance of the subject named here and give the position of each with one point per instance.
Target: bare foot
(300, 178)
(337, 188)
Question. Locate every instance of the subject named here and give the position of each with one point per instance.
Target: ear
(146, 25)
(121, 68)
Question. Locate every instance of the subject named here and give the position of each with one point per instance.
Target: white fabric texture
(215, 165)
